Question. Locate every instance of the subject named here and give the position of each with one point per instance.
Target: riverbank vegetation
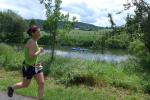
(126, 79)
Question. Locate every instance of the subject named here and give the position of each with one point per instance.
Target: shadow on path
(3, 96)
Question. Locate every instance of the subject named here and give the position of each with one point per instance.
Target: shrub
(9, 58)
(138, 49)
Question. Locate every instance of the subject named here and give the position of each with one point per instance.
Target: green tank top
(28, 60)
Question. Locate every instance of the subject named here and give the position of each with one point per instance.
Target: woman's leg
(40, 81)
(23, 84)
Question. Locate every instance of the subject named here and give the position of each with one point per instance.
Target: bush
(12, 27)
(9, 58)
(146, 83)
(118, 41)
(44, 40)
(76, 72)
(46, 64)
(131, 66)
(138, 49)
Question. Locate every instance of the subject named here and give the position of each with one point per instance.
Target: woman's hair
(32, 29)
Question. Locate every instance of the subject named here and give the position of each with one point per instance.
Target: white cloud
(88, 11)
(103, 21)
(96, 11)
(27, 9)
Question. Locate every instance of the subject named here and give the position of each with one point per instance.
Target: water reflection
(90, 56)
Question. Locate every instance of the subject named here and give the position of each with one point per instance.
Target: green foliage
(138, 48)
(46, 64)
(140, 22)
(68, 25)
(75, 40)
(146, 83)
(53, 17)
(32, 22)
(100, 42)
(10, 59)
(118, 41)
(96, 40)
(70, 72)
(131, 66)
(44, 40)
(12, 27)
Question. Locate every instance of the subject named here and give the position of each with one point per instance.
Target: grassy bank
(56, 91)
(75, 79)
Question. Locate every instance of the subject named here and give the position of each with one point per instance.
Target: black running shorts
(29, 71)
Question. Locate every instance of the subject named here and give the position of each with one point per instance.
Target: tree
(111, 20)
(130, 26)
(113, 25)
(69, 25)
(32, 22)
(141, 19)
(12, 26)
(54, 16)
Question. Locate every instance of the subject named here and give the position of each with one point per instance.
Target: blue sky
(88, 11)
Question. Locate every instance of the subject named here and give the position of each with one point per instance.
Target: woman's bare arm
(32, 53)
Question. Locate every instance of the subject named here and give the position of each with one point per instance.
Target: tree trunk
(147, 33)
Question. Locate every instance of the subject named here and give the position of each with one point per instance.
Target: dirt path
(3, 96)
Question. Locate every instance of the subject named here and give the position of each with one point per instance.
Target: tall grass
(55, 91)
(10, 59)
(92, 73)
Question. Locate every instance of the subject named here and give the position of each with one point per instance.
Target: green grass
(76, 79)
(10, 59)
(54, 91)
(70, 70)
(111, 82)
(81, 35)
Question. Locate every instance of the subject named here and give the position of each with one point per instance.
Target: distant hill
(85, 26)
(78, 25)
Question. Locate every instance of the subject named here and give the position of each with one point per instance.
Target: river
(114, 56)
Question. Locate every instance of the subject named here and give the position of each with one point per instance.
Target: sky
(88, 11)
